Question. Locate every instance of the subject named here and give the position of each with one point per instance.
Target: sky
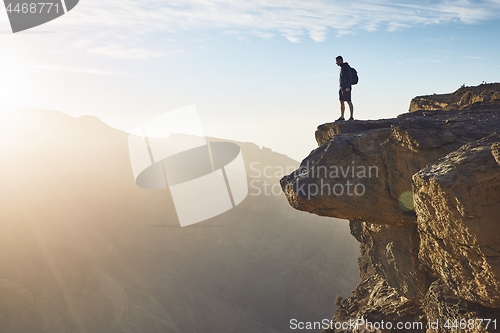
(258, 71)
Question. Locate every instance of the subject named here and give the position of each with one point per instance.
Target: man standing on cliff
(345, 81)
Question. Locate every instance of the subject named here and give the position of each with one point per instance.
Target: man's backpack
(354, 75)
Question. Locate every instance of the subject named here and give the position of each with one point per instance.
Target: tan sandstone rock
(428, 224)
(457, 204)
(481, 96)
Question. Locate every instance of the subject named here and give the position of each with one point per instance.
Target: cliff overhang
(426, 214)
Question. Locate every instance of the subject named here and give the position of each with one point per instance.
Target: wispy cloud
(262, 34)
(119, 51)
(411, 60)
(231, 32)
(416, 61)
(289, 19)
(293, 36)
(318, 35)
(341, 33)
(200, 40)
(76, 70)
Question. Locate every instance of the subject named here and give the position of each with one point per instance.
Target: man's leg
(342, 106)
(351, 109)
(342, 109)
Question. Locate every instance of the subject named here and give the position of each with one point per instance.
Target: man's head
(339, 60)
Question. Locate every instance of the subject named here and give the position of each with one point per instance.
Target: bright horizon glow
(262, 72)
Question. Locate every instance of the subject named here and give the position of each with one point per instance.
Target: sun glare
(13, 87)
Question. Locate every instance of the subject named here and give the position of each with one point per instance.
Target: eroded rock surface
(362, 170)
(442, 305)
(458, 206)
(427, 223)
(484, 95)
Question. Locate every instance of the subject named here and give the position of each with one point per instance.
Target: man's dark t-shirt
(345, 81)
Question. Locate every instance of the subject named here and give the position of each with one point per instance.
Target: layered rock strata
(484, 95)
(422, 193)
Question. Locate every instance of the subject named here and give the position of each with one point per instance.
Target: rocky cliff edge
(422, 193)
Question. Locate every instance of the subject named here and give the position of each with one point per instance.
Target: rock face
(464, 98)
(427, 221)
(459, 226)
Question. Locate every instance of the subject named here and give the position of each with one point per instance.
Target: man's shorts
(345, 95)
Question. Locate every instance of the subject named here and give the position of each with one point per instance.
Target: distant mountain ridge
(83, 249)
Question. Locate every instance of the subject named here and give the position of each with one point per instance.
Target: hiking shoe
(350, 119)
(340, 119)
